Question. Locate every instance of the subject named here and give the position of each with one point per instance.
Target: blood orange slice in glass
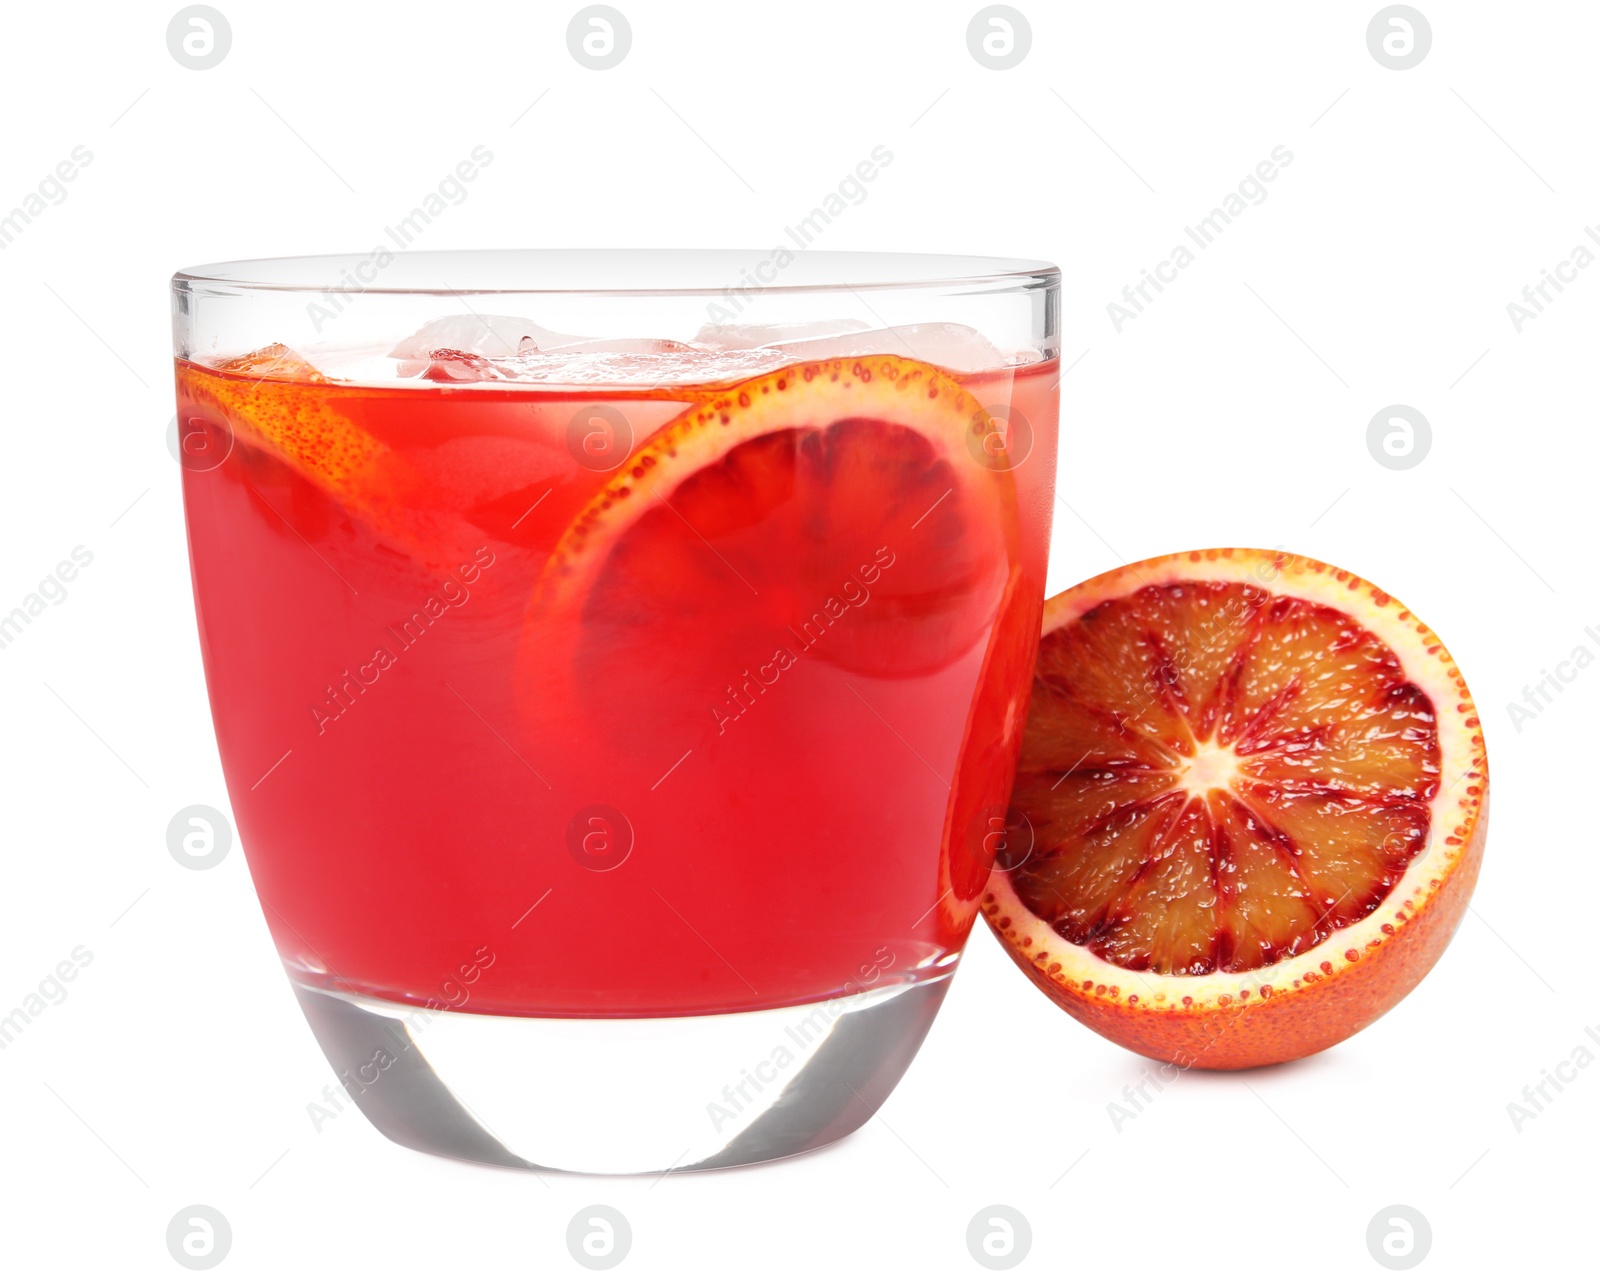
(1257, 793)
(286, 424)
(285, 405)
(830, 513)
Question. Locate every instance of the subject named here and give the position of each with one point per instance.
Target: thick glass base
(623, 1096)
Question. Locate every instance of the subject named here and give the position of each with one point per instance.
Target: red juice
(612, 699)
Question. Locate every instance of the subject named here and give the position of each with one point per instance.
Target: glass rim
(548, 271)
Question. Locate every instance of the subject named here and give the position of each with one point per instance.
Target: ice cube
(275, 362)
(445, 364)
(747, 336)
(946, 345)
(492, 335)
(620, 345)
(646, 362)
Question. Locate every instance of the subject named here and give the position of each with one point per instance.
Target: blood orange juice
(627, 680)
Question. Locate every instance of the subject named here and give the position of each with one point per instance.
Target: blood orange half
(1257, 792)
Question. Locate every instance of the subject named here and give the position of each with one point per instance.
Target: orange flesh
(1218, 777)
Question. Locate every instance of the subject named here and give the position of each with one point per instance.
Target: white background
(1233, 411)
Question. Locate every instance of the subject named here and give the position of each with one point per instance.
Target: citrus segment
(1247, 774)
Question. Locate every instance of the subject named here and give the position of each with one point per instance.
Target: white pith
(1212, 766)
(1453, 814)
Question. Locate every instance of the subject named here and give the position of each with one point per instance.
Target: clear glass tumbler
(618, 663)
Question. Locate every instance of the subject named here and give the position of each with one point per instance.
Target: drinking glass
(618, 663)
